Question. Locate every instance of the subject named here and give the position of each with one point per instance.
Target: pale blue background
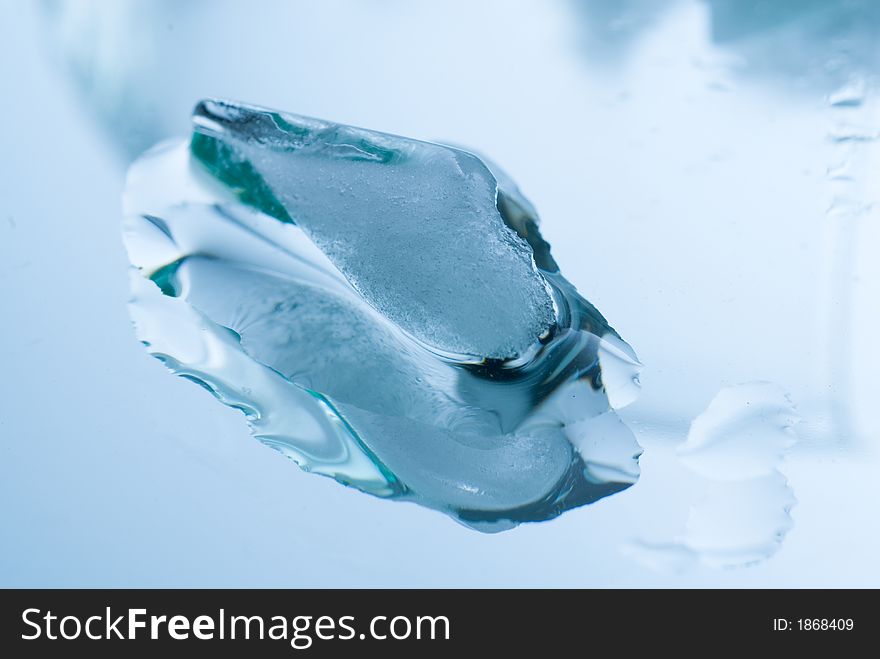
(677, 151)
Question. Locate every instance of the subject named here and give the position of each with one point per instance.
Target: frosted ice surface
(413, 225)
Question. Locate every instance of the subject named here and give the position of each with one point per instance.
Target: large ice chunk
(236, 293)
(414, 226)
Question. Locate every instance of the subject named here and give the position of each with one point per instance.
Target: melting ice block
(412, 225)
(384, 311)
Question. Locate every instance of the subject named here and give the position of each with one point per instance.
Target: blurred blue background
(706, 171)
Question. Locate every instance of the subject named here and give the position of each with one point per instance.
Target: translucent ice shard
(743, 434)
(384, 311)
(741, 504)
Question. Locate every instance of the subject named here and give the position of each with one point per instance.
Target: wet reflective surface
(705, 171)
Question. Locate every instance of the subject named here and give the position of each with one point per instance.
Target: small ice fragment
(743, 434)
(740, 506)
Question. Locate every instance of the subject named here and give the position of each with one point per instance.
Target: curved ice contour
(383, 310)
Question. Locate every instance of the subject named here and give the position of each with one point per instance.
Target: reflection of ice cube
(739, 523)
